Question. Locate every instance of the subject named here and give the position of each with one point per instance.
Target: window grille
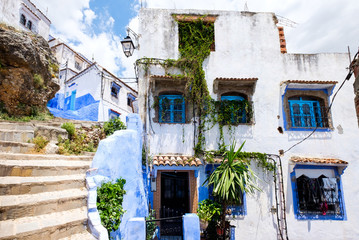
(307, 114)
(235, 106)
(318, 198)
(171, 109)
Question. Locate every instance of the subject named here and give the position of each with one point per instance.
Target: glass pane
(177, 116)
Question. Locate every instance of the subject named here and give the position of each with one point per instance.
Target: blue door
(72, 100)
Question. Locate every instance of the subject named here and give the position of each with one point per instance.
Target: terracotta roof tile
(174, 160)
(236, 79)
(297, 159)
(311, 82)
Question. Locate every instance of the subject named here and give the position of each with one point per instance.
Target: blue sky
(96, 27)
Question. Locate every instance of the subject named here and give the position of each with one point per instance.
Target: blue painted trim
(117, 88)
(299, 128)
(110, 111)
(131, 96)
(171, 109)
(72, 84)
(295, 200)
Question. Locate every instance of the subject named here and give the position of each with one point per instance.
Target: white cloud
(89, 16)
(72, 22)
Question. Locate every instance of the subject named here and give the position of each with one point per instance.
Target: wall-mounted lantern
(128, 45)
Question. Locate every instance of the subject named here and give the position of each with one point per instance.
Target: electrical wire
(330, 106)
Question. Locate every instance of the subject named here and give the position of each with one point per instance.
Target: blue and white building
(87, 90)
(291, 96)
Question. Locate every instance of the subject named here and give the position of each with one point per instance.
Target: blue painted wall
(120, 155)
(84, 108)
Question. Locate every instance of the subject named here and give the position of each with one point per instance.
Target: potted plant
(207, 211)
(229, 180)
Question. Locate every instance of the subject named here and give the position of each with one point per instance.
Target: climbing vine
(195, 40)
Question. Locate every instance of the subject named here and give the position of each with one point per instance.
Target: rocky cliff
(27, 72)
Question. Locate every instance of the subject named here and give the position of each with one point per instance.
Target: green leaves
(233, 177)
(209, 210)
(113, 125)
(109, 204)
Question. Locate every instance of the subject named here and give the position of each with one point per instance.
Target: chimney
(283, 45)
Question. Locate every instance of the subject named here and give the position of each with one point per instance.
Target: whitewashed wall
(10, 11)
(247, 45)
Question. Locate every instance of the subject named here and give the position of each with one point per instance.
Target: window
(23, 19)
(235, 210)
(77, 65)
(171, 109)
(113, 114)
(234, 109)
(317, 193)
(29, 25)
(115, 89)
(130, 99)
(307, 112)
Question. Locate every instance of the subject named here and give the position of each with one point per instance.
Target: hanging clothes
(309, 193)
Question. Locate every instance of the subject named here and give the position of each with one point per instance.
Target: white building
(87, 90)
(289, 95)
(24, 15)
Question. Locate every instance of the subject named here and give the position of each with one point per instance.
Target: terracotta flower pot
(203, 224)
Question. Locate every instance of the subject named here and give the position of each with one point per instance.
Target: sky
(96, 27)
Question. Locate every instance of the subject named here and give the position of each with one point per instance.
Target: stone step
(16, 125)
(16, 135)
(85, 235)
(27, 168)
(32, 185)
(18, 206)
(55, 225)
(20, 156)
(16, 147)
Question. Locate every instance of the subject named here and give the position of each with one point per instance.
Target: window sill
(320, 217)
(310, 129)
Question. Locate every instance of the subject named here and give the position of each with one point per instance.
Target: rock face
(27, 72)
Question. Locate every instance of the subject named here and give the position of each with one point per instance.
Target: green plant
(113, 125)
(70, 128)
(38, 81)
(150, 226)
(233, 177)
(109, 204)
(209, 210)
(40, 143)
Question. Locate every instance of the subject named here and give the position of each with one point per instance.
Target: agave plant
(231, 179)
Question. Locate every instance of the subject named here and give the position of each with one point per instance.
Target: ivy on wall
(195, 40)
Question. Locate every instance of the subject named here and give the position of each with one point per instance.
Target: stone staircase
(41, 196)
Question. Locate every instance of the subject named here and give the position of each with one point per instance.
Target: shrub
(38, 81)
(40, 143)
(109, 204)
(70, 128)
(113, 125)
(150, 226)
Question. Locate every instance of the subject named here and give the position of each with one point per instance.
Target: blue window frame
(115, 89)
(240, 116)
(113, 114)
(306, 113)
(236, 210)
(171, 109)
(317, 193)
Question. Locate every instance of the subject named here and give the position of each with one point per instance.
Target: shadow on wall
(119, 155)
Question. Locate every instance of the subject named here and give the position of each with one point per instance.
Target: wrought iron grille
(308, 114)
(169, 228)
(316, 201)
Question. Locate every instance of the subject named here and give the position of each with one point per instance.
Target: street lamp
(127, 44)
